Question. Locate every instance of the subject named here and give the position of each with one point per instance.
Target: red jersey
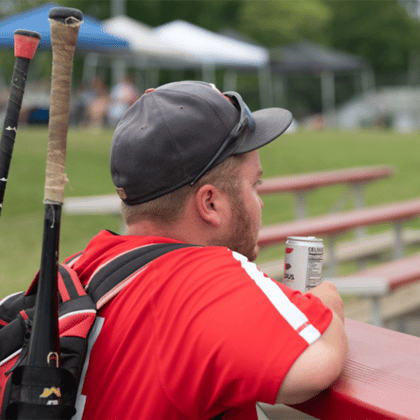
(196, 332)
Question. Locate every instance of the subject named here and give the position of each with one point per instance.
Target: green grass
(87, 168)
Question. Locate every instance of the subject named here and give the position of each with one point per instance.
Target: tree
(209, 14)
(380, 31)
(10, 7)
(275, 22)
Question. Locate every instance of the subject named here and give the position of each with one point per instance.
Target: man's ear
(211, 204)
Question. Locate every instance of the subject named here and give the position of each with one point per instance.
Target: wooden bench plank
(361, 286)
(281, 412)
(402, 278)
(380, 379)
(311, 181)
(97, 204)
(396, 273)
(336, 223)
(369, 246)
(393, 306)
(110, 203)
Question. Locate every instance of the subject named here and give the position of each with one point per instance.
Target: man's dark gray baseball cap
(166, 138)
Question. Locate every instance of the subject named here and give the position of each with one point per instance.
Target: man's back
(195, 333)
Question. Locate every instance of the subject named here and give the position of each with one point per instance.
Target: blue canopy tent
(92, 37)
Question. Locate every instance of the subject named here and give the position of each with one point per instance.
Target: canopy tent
(307, 57)
(210, 47)
(179, 45)
(145, 44)
(216, 50)
(147, 52)
(92, 36)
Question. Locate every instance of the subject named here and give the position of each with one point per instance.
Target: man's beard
(242, 237)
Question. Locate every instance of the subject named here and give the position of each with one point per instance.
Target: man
(200, 331)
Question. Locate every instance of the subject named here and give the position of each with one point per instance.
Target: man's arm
(322, 362)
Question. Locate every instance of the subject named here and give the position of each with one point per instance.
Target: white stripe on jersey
(288, 310)
(93, 335)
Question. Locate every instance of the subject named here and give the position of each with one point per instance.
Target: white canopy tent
(144, 42)
(210, 47)
(215, 50)
(146, 51)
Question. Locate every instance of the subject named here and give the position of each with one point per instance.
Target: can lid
(304, 238)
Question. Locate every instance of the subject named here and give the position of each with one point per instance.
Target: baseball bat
(42, 380)
(25, 45)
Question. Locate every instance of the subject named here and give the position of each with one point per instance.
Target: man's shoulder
(108, 246)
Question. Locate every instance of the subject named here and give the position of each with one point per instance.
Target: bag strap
(69, 284)
(111, 278)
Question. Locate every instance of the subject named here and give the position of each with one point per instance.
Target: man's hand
(327, 293)
(322, 362)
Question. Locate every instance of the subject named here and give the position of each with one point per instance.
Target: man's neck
(177, 231)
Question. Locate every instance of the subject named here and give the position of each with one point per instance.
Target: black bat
(40, 376)
(26, 43)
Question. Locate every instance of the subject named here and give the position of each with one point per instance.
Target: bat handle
(65, 24)
(44, 338)
(26, 43)
(44, 347)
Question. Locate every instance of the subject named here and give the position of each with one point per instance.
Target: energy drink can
(303, 262)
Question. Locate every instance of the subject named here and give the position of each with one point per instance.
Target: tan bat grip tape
(63, 40)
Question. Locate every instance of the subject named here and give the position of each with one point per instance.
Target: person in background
(122, 96)
(97, 106)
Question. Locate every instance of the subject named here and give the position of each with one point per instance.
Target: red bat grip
(26, 43)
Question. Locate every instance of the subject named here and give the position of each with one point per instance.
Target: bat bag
(77, 312)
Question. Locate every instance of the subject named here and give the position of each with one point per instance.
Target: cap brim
(270, 123)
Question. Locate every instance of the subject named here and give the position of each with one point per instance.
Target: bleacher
(380, 378)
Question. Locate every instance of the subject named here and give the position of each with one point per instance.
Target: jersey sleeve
(226, 331)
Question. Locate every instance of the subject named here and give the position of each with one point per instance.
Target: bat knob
(26, 43)
(63, 14)
(26, 32)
